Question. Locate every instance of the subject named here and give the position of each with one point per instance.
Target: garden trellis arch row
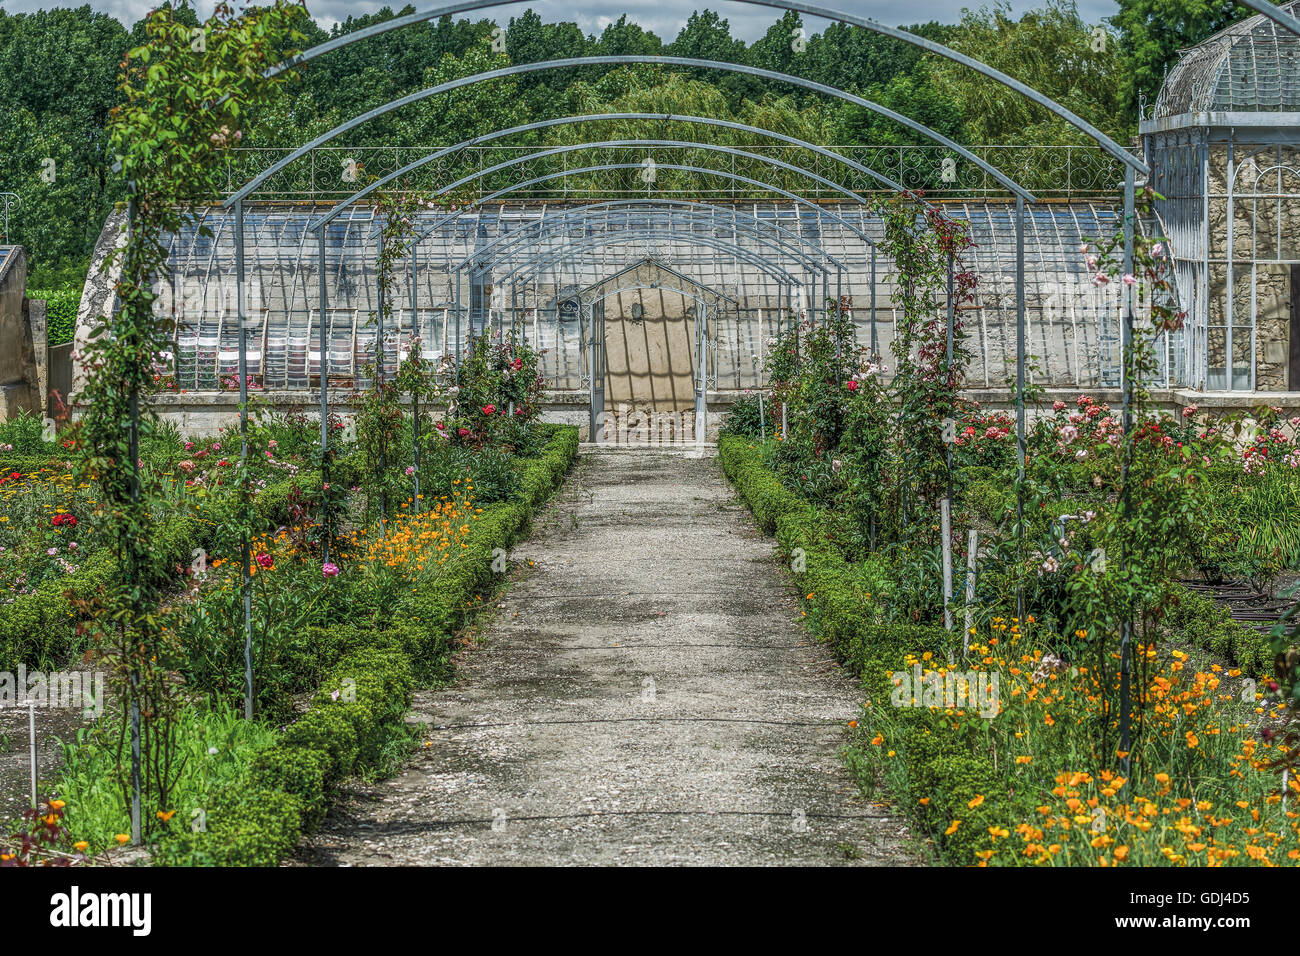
(538, 227)
(245, 190)
(441, 222)
(594, 326)
(596, 118)
(584, 214)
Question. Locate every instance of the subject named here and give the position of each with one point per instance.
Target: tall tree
(1152, 32)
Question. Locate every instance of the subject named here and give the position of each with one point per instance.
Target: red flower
(489, 409)
(852, 385)
(462, 432)
(265, 560)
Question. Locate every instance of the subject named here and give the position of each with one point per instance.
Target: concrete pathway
(644, 695)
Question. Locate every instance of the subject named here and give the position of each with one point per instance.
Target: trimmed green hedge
(949, 766)
(60, 312)
(289, 786)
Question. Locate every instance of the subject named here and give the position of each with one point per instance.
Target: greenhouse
(536, 240)
(534, 269)
(1225, 151)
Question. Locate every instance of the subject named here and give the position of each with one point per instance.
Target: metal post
(417, 356)
(839, 295)
(952, 331)
(762, 421)
(1126, 626)
(875, 346)
(379, 378)
(245, 545)
(458, 319)
(134, 464)
(31, 732)
(326, 533)
(945, 528)
(1020, 391)
(972, 544)
(379, 315)
(1229, 370)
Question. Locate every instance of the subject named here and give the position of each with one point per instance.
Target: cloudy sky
(664, 17)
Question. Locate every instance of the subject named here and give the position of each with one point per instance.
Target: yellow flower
(952, 828)
(122, 839)
(976, 801)
(80, 846)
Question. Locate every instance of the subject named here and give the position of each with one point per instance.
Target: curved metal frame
(522, 68)
(1276, 14)
(717, 172)
(824, 12)
(549, 256)
(585, 243)
(601, 117)
(610, 166)
(503, 246)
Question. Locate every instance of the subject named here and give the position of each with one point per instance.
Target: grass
(214, 748)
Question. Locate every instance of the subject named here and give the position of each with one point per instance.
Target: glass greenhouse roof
(1254, 65)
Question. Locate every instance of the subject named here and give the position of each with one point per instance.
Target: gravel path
(643, 695)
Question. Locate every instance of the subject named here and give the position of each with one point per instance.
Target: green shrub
(364, 693)
(60, 312)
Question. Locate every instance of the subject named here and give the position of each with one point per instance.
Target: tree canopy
(58, 80)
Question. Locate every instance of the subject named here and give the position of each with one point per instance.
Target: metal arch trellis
(821, 211)
(541, 261)
(784, 193)
(601, 117)
(320, 232)
(834, 15)
(636, 143)
(321, 225)
(503, 246)
(1008, 183)
(1132, 164)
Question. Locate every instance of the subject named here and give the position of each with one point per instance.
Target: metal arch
(503, 246)
(521, 68)
(670, 205)
(632, 143)
(550, 256)
(1276, 14)
(1077, 122)
(603, 117)
(808, 262)
(835, 217)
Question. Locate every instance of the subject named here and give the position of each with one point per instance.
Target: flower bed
(1022, 784)
(378, 627)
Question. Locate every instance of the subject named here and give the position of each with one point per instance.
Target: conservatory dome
(1252, 66)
